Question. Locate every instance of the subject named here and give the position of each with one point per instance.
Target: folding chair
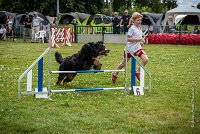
(40, 35)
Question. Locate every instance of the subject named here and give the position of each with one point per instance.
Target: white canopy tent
(178, 18)
(180, 10)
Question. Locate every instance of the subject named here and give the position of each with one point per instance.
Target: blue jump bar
(86, 89)
(86, 71)
(89, 71)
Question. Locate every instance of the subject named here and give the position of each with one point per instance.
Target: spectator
(66, 21)
(73, 21)
(170, 24)
(27, 26)
(116, 24)
(125, 21)
(35, 26)
(196, 30)
(3, 32)
(9, 23)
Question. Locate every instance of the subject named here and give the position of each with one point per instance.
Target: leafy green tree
(87, 6)
(117, 4)
(170, 4)
(48, 7)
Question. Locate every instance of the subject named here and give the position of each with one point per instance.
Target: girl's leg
(119, 67)
(145, 60)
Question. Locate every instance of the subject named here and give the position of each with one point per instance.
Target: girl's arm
(132, 39)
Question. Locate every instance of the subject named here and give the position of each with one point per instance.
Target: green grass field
(167, 109)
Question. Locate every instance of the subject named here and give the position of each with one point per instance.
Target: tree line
(48, 7)
(154, 6)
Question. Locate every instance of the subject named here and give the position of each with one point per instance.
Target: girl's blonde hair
(135, 16)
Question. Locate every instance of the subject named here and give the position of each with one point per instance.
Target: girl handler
(134, 45)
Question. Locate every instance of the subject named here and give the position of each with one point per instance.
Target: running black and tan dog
(85, 59)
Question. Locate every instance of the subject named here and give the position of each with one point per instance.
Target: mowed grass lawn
(167, 109)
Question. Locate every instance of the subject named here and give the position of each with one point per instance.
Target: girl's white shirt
(135, 32)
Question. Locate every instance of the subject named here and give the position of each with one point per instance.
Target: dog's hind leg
(60, 78)
(68, 78)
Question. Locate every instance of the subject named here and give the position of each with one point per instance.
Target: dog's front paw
(97, 67)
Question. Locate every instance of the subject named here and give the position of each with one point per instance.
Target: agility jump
(41, 92)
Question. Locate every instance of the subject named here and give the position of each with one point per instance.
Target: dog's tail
(58, 57)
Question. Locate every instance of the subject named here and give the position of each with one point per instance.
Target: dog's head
(101, 49)
(95, 49)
